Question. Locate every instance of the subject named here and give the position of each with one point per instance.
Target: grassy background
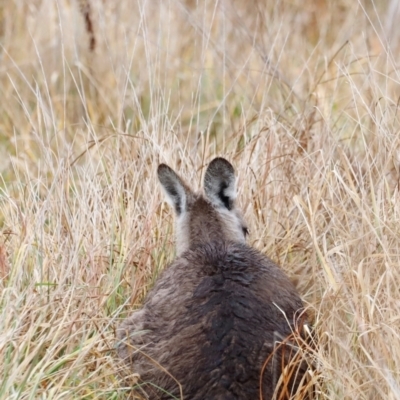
(301, 96)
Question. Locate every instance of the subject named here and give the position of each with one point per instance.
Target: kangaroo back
(211, 326)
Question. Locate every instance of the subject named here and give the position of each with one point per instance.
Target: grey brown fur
(215, 314)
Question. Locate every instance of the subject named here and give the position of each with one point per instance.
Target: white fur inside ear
(230, 191)
(221, 195)
(176, 201)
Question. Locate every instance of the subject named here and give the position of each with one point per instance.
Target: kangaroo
(210, 327)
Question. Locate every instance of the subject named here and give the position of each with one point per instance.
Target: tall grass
(301, 96)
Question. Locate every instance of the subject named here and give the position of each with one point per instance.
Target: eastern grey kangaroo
(211, 326)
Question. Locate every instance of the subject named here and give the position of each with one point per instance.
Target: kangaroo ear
(220, 183)
(174, 188)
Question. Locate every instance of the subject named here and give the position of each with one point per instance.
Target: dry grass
(301, 96)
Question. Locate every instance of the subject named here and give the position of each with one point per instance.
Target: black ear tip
(165, 174)
(164, 170)
(220, 162)
(162, 167)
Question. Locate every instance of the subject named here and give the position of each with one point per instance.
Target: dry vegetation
(301, 96)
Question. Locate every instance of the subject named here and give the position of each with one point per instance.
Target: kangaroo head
(209, 217)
